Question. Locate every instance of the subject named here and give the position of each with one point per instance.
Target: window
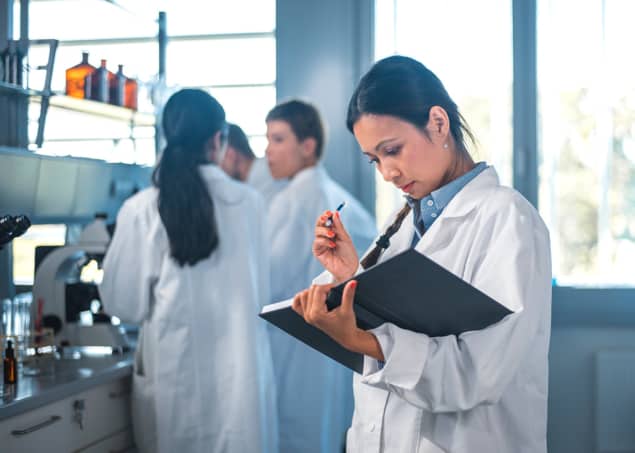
(586, 83)
(471, 52)
(24, 249)
(213, 45)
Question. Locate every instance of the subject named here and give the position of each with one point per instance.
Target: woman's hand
(334, 248)
(340, 323)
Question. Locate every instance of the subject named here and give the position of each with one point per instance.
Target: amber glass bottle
(76, 75)
(132, 88)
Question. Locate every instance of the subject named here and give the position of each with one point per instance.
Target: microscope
(66, 298)
(11, 227)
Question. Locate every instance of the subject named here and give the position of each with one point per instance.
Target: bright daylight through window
(477, 71)
(586, 84)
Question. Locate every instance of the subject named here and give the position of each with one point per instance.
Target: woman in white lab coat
(188, 262)
(315, 395)
(483, 391)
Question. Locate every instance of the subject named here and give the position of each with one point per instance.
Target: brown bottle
(76, 75)
(118, 87)
(10, 365)
(130, 99)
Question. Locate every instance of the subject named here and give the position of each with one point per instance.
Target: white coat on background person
(315, 393)
(203, 380)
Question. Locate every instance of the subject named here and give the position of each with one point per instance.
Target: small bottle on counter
(118, 87)
(10, 365)
(76, 76)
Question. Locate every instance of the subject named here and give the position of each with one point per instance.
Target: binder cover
(408, 290)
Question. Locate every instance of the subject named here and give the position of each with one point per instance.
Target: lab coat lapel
(460, 207)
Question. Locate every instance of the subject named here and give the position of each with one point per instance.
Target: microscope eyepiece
(11, 227)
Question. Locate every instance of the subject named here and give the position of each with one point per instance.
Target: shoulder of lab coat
(132, 261)
(135, 255)
(510, 261)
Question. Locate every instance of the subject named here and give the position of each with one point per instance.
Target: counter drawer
(97, 416)
(105, 410)
(47, 428)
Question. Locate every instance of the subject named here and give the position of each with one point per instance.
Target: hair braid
(384, 240)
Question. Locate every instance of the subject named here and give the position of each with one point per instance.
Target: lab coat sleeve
(448, 374)
(130, 267)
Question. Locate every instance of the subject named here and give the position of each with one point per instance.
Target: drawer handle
(117, 395)
(44, 424)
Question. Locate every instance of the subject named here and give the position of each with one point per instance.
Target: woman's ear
(438, 124)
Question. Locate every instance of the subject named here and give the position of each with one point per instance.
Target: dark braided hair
(383, 242)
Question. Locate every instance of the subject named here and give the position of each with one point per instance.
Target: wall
(592, 364)
(323, 48)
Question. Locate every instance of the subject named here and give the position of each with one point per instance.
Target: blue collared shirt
(429, 208)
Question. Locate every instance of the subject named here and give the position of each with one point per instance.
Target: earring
(445, 146)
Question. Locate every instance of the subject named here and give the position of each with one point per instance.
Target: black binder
(408, 290)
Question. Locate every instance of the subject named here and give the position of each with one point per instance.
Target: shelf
(99, 109)
(15, 89)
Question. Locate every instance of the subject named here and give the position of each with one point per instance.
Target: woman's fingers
(348, 295)
(297, 304)
(316, 306)
(338, 228)
(321, 220)
(324, 232)
(322, 245)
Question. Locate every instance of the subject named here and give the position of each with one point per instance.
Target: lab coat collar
(306, 174)
(459, 207)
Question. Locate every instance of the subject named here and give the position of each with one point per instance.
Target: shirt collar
(443, 195)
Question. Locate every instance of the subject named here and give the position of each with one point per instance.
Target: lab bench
(82, 406)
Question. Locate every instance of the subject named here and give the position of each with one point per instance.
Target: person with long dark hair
(481, 391)
(188, 261)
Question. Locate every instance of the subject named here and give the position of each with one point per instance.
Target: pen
(329, 221)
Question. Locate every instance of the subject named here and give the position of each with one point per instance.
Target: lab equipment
(11, 227)
(10, 365)
(66, 298)
(76, 75)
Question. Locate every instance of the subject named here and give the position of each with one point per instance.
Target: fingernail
(354, 283)
(330, 234)
(329, 213)
(332, 244)
(337, 214)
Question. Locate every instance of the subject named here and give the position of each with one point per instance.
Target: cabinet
(96, 420)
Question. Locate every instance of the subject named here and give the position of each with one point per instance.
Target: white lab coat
(315, 394)
(485, 391)
(260, 178)
(203, 379)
